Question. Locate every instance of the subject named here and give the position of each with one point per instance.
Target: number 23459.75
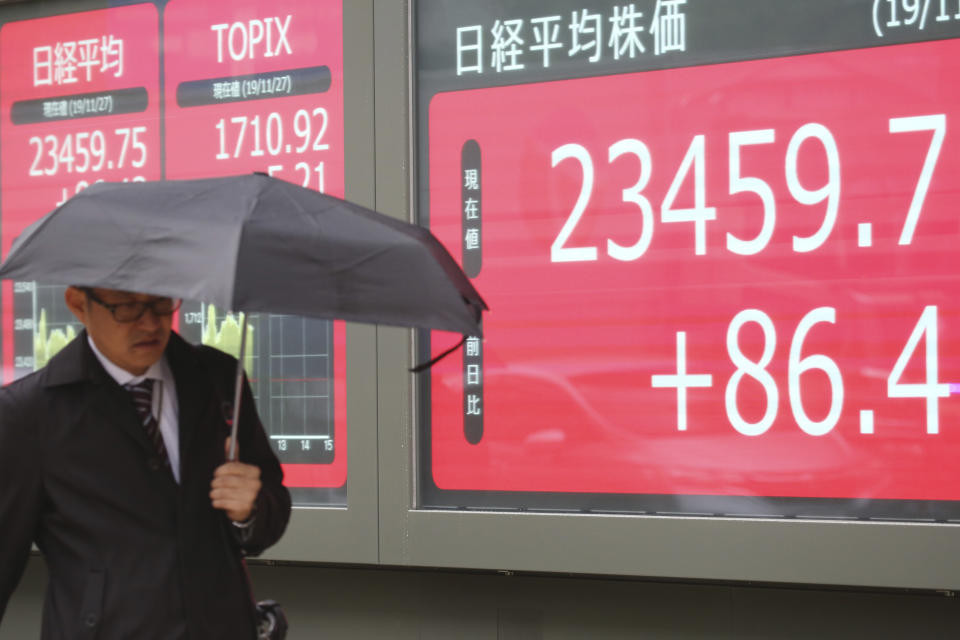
(694, 162)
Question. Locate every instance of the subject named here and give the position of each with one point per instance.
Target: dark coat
(130, 553)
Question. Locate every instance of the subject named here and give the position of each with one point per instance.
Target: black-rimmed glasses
(134, 310)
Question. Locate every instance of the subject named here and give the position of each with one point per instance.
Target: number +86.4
(931, 389)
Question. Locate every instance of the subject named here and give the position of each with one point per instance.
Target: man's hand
(235, 488)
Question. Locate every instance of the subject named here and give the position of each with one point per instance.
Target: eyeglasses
(134, 310)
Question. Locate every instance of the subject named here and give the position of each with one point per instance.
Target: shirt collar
(156, 371)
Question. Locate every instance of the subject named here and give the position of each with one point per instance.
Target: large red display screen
(228, 88)
(713, 289)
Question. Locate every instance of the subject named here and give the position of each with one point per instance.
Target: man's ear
(77, 303)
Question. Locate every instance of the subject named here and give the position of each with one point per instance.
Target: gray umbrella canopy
(250, 243)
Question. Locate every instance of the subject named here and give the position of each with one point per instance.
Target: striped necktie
(142, 395)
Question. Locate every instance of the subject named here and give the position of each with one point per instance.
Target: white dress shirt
(164, 400)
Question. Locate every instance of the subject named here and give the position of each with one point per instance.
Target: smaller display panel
(258, 86)
(79, 98)
(248, 86)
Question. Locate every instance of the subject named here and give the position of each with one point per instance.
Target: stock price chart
(289, 364)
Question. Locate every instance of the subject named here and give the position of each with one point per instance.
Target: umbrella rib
(238, 240)
(130, 258)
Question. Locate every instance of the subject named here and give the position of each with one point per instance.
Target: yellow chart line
(226, 336)
(45, 345)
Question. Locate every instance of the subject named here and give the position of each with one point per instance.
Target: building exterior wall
(366, 603)
(356, 574)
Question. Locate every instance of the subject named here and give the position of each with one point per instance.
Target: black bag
(270, 618)
(271, 621)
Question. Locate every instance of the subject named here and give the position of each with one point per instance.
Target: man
(123, 486)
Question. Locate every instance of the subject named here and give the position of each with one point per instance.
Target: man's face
(132, 346)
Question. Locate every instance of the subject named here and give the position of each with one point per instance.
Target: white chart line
(299, 437)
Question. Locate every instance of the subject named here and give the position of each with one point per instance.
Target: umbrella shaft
(236, 391)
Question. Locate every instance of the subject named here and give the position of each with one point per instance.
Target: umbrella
(250, 243)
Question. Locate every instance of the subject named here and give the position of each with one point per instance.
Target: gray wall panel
(394, 393)
(332, 534)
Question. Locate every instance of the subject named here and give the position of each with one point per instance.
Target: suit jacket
(130, 553)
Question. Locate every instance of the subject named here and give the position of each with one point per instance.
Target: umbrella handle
(232, 457)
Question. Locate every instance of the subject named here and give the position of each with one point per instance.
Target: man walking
(112, 461)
